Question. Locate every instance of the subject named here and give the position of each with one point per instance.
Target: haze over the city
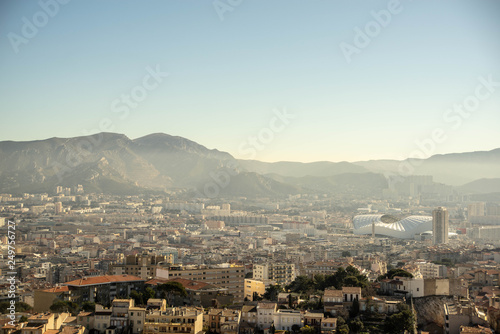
(249, 167)
(360, 80)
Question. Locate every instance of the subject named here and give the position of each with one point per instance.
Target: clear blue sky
(227, 76)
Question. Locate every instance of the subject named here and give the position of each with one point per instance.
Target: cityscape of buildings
(95, 263)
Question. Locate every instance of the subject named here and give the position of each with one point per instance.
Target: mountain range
(114, 163)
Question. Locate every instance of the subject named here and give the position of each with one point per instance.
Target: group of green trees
(351, 322)
(400, 322)
(395, 272)
(349, 276)
(167, 291)
(60, 306)
(20, 307)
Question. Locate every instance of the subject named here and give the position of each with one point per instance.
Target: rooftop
(106, 279)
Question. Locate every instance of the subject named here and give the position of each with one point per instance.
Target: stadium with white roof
(391, 226)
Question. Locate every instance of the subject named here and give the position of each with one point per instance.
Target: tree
(399, 322)
(320, 282)
(23, 318)
(351, 281)
(137, 297)
(368, 291)
(172, 289)
(395, 272)
(346, 254)
(61, 306)
(256, 296)
(88, 306)
(356, 326)
(295, 328)
(20, 307)
(302, 284)
(23, 307)
(307, 330)
(352, 271)
(272, 292)
(354, 308)
(148, 294)
(343, 329)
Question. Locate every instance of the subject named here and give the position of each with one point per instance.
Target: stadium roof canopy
(391, 226)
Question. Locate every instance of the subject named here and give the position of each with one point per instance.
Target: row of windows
(170, 329)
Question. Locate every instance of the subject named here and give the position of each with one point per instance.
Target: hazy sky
(358, 85)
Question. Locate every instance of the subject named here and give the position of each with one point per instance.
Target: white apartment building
(431, 270)
(265, 314)
(278, 273)
(285, 319)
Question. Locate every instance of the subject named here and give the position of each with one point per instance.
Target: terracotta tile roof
(266, 305)
(330, 320)
(333, 293)
(348, 289)
(57, 289)
(51, 331)
(186, 283)
(106, 279)
(249, 308)
(85, 314)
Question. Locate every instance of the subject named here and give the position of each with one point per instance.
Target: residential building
(230, 277)
(276, 273)
(41, 323)
(222, 321)
(103, 289)
(314, 320)
(265, 314)
(156, 305)
(461, 313)
(198, 293)
(286, 319)
(333, 301)
(320, 267)
(175, 320)
(248, 319)
(102, 319)
(253, 287)
(431, 270)
(403, 286)
(141, 265)
(43, 299)
(440, 225)
(329, 325)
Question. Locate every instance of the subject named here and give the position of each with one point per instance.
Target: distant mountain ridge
(301, 169)
(453, 169)
(114, 163)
